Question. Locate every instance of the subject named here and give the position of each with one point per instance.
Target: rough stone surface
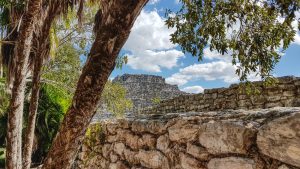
(225, 137)
(142, 89)
(285, 93)
(280, 139)
(231, 163)
(196, 140)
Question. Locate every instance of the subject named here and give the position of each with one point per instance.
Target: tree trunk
(112, 27)
(32, 113)
(15, 114)
(42, 43)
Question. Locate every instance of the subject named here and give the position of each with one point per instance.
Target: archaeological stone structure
(142, 89)
(200, 132)
(285, 92)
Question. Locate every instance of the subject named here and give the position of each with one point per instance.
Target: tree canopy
(253, 32)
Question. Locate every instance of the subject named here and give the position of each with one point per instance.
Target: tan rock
(283, 167)
(184, 133)
(188, 162)
(147, 140)
(113, 157)
(154, 127)
(131, 157)
(226, 137)
(198, 152)
(152, 159)
(118, 165)
(119, 148)
(163, 143)
(280, 139)
(231, 163)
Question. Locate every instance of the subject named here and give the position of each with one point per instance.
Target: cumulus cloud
(151, 2)
(219, 70)
(149, 44)
(193, 89)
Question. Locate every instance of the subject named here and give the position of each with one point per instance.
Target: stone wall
(232, 139)
(142, 89)
(285, 93)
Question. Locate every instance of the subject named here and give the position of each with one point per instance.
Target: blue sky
(151, 52)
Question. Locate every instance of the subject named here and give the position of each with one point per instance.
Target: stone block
(197, 151)
(280, 139)
(231, 163)
(188, 162)
(226, 137)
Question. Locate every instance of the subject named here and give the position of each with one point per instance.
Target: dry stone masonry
(220, 129)
(285, 93)
(233, 139)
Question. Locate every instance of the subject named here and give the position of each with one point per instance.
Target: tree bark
(112, 27)
(15, 114)
(42, 44)
(28, 144)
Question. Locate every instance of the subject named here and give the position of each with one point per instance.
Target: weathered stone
(113, 157)
(280, 139)
(223, 137)
(152, 159)
(147, 141)
(188, 162)
(118, 165)
(142, 89)
(231, 163)
(119, 148)
(154, 127)
(131, 157)
(163, 143)
(184, 133)
(198, 152)
(283, 167)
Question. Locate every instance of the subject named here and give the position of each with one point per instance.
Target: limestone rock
(231, 163)
(118, 165)
(225, 137)
(188, 162)
(280, 139)
(184, 133)
(163, 143)
(283, 167)
(198, 152)
(152, 159)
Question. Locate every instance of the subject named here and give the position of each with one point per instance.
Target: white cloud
(149, 44)
(152, 61)
(212, 55)
(193, 89)
(219, 70)
(151, 2)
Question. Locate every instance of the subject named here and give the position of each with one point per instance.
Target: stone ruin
(142, 89)
(198, 132)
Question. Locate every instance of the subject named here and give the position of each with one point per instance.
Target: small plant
(156, 100)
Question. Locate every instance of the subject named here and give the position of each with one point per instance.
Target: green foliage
(256, 32)
(53, 104)
(156, 100)
(113, 96)
(2, 157)
(121, 61)
(4, 97)
(64, 69)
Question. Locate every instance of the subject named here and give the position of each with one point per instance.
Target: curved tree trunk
(112, 27)
(15, 114)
